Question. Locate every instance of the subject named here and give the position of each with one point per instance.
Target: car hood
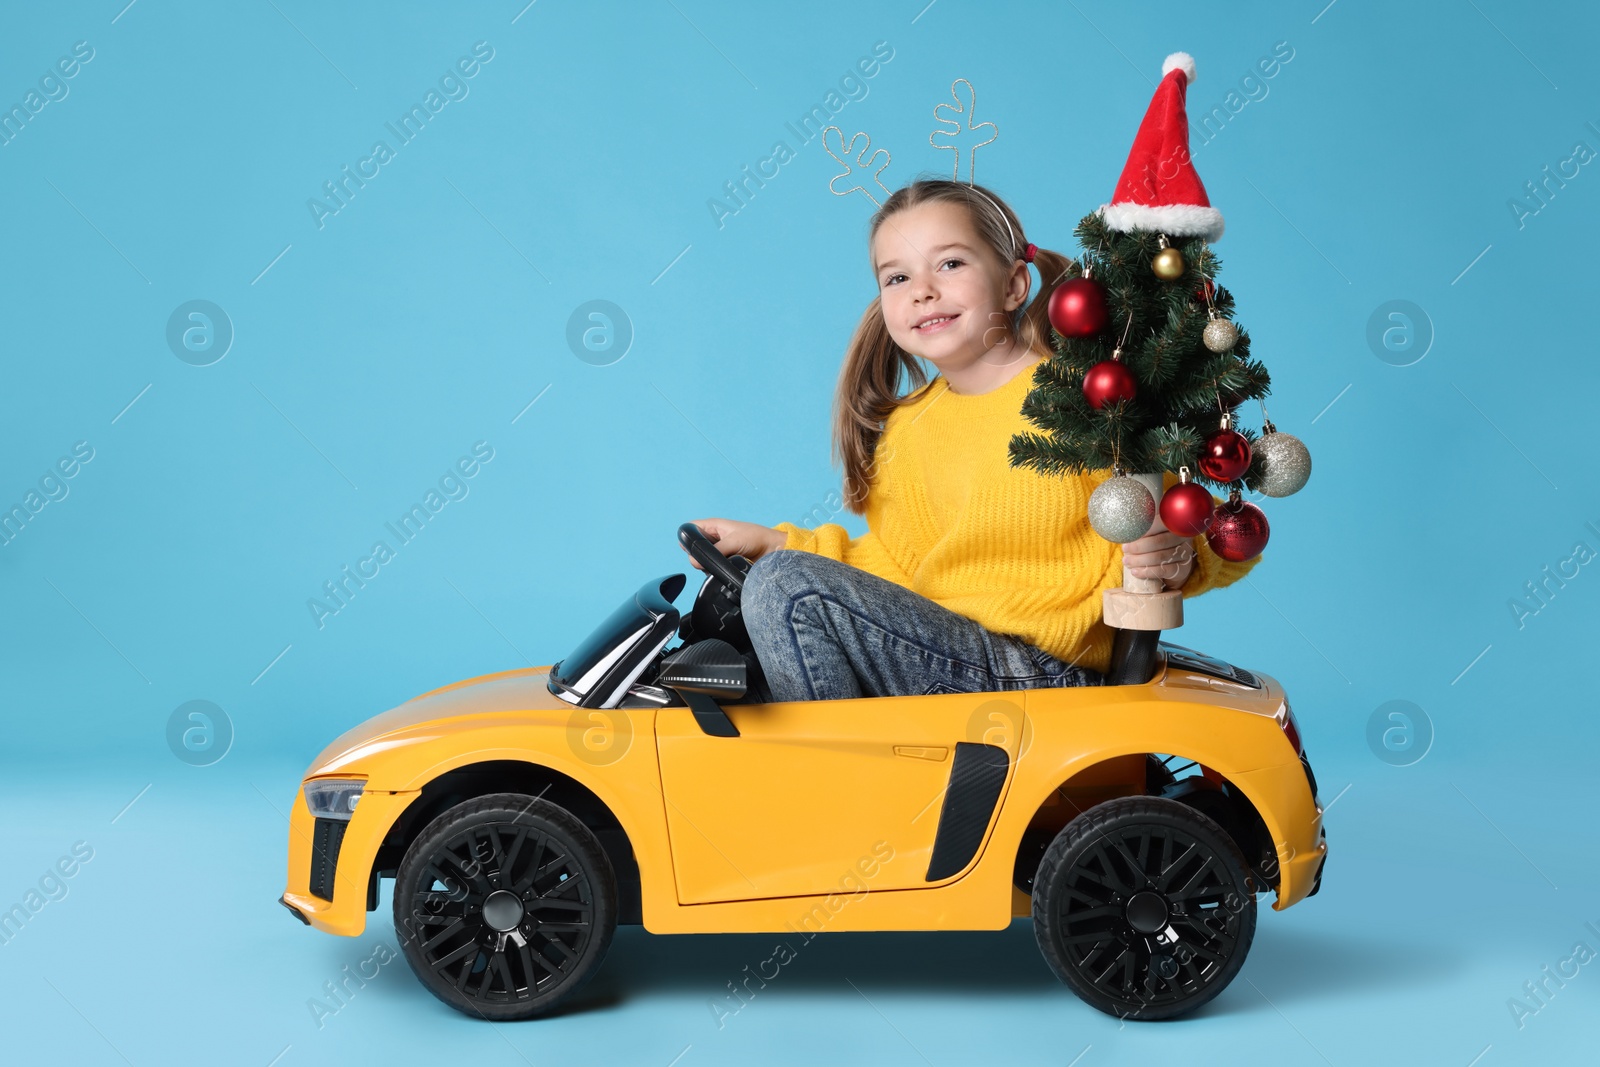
(521, 690)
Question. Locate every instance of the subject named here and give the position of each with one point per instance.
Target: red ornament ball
(1108, 382)
(1225, 456)
(1239, 532)
(1187, 509)
(1078, 308)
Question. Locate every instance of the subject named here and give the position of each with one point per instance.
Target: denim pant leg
(824, 630)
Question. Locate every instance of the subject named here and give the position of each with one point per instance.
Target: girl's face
(944, 296)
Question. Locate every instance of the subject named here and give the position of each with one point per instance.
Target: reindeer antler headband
(959, 135)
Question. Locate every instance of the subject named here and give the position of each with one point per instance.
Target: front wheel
(1144, 907)
(505, 905)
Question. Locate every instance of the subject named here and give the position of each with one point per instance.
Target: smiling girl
(973, 575)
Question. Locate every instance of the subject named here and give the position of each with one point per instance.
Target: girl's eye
(893, 278)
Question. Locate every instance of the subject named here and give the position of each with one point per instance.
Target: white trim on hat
(1180, 220)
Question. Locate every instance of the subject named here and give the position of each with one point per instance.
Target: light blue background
(426, 315)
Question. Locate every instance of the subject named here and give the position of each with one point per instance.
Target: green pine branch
(1183, 387)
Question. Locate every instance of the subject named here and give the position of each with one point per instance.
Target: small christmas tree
(1149, 369)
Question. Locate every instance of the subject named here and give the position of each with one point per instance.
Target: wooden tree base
(1129, 610)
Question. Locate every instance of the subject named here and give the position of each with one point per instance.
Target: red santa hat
(1159, 189)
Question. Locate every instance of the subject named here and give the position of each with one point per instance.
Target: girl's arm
(832, 540)
(753, 541)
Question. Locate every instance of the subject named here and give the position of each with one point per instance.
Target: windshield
(606, 661)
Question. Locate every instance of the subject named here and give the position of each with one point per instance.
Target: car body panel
(782, 809)
(1234, 733)
(503, 691)
(509, 715)
(821, 815)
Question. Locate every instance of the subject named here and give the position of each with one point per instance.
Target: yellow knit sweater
(1007, 547)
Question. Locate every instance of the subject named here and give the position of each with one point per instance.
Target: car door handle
(936, 753)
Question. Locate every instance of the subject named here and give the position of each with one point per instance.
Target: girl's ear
(1017, 286)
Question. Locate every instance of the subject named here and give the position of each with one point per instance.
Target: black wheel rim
(1149, 916)
(511, 958)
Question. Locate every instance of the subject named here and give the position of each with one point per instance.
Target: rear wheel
(505, 905)
(1144, 907)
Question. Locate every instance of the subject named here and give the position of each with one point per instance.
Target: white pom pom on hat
(1179, 61)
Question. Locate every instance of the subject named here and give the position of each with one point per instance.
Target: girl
(973, 575)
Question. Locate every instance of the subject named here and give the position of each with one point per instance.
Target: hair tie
(1027, 253)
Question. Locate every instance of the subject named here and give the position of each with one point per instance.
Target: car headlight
(333, 798)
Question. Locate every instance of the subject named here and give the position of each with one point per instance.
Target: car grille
(326, 837)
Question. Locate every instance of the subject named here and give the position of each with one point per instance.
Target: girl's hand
(1163, 555)
(747, 539)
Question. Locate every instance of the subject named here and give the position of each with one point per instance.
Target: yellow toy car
(524, 814)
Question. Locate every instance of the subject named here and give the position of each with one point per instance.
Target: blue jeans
(824, 630)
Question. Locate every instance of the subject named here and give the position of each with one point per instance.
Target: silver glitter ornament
(1221, 335)
(1121, 509)
(1285, 462)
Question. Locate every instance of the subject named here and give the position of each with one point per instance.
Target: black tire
(1158, 777)
(1144, 907)
(505, 905)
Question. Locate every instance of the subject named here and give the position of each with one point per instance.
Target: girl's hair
(869, 382)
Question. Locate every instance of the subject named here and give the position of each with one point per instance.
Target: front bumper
(330, 873)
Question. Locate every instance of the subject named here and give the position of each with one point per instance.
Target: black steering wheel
(704, 552)
(716, 606)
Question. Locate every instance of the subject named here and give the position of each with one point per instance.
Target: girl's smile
(935, 323)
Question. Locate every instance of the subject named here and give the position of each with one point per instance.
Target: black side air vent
(977, 774)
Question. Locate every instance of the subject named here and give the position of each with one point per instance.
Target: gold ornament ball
(1168, 264)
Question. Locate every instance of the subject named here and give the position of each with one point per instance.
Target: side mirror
(703, 673)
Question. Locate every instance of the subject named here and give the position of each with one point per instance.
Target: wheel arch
(484, 777)
(1212, 793)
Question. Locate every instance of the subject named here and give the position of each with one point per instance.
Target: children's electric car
(524, 814)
